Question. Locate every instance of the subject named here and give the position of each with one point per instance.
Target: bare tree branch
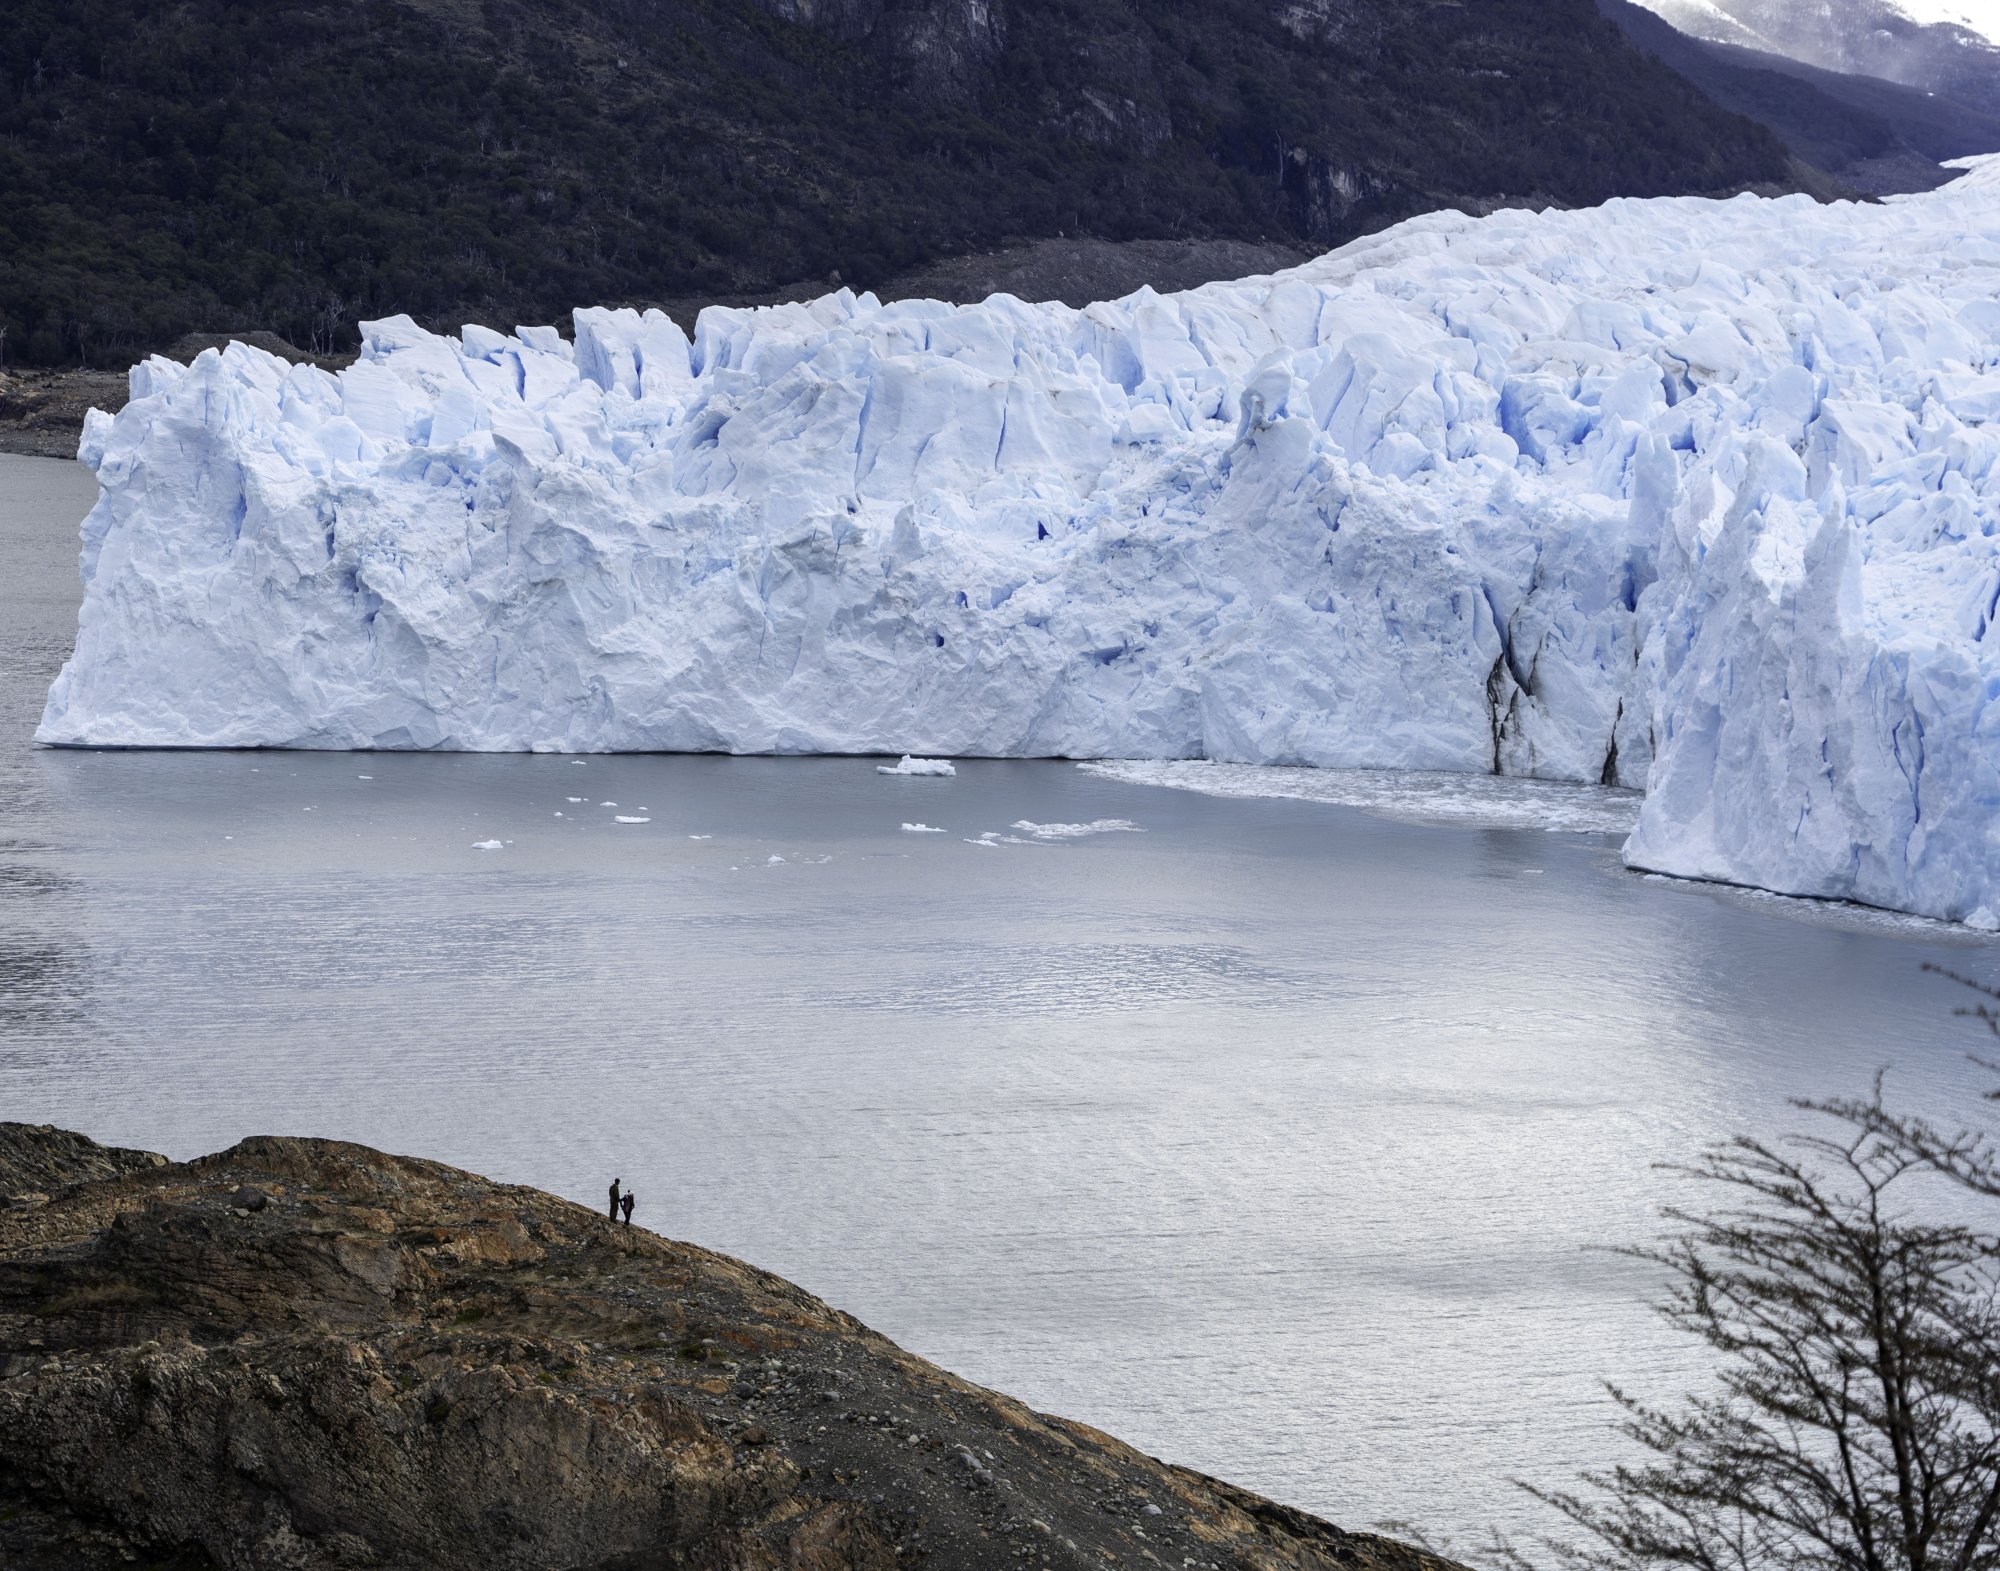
(1855, 1424)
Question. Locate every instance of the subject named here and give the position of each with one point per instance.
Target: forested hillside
(299, 164)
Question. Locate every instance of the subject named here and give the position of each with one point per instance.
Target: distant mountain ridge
(299, 164)
(1876, 38)
(1876, 135)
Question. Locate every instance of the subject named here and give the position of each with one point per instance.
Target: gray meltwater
(1273, 1138)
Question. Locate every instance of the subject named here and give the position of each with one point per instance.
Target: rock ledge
(392, 1363)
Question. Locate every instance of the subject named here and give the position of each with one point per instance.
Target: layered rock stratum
(305, 1354)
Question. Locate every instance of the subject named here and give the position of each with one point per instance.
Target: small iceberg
(1097, 826)
(916, 766)
(487, 845)
(623, 819)
(922, 829)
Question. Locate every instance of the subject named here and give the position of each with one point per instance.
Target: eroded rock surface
(397, 1364)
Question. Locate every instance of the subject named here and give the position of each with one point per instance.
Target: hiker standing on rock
(614, 1199)
(626, 1206)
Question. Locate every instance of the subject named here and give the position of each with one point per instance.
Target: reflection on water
(1078, 978)
(1272, 1139)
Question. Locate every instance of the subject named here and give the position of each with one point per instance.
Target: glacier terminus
(1696, 496)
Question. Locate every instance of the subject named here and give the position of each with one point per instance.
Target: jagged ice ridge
(1699, 496)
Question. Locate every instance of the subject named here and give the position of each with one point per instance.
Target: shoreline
(41, 412)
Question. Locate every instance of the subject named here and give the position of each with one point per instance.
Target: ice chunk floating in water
(1699, 496)
(1097, 826)
(916, 766)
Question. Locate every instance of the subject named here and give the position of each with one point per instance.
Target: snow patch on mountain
(1693, 495)
(1780, 19)
(1705, 19)
(1942, 46)
(1975, 16)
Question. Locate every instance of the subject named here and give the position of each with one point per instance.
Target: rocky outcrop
(38, 1158)
(309, 1355)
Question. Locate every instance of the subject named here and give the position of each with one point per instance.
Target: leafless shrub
(1848, 1281)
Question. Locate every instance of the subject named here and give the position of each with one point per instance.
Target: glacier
(1695, 496)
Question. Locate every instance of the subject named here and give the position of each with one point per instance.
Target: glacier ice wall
(1693, 495)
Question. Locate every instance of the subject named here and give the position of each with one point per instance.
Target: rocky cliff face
(943, 48)
(308, 1355)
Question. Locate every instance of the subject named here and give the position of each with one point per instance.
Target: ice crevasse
(1697, 496)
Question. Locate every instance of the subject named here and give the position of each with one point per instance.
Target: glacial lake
(1278, 1138)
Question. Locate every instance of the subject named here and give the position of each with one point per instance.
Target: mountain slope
(1879, 136)
(297, 164)
(1860, 37)
(305, 1354)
